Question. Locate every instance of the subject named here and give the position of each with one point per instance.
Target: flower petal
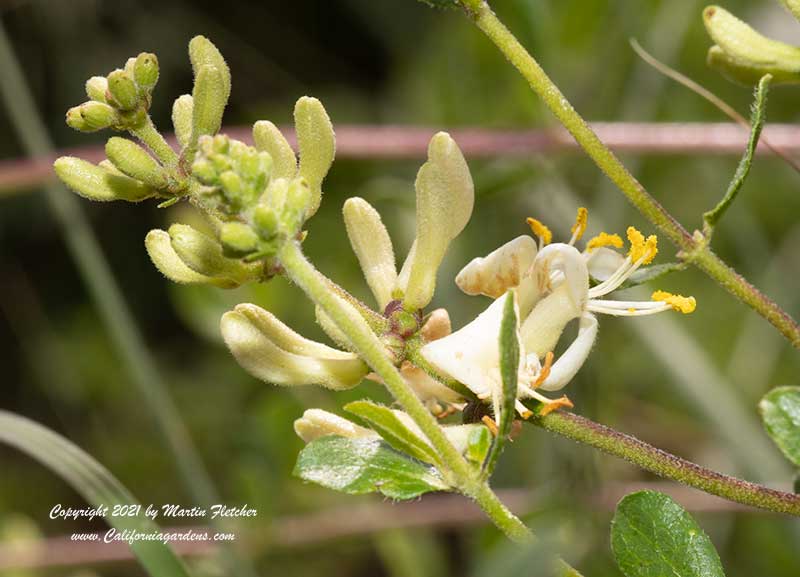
(500, 270)
(603, 262)
(316, 423)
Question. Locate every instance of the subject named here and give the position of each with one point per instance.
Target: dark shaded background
(689, 386)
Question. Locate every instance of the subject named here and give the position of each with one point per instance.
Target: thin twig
(411, 142)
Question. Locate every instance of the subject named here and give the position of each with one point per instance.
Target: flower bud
(159, 247)
(744, 55)
(96, 88)
(238, 239)
(145, 71)
(208, 102)
(316, 423)
(500, 270)
(317, 145)
(136, 162)
(97, 183)
(266, 219)
(272, 352)
(123, 91)
(445, 196)
(373, 247)
(91, 116)
(204, 255)
(202, 52)
(182, 119)
(269, 139)
(298, 198)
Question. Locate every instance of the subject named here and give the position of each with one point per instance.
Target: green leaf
(650, 273)
(652, 536)
(359, 466)
(758, 115)
(386, 423)
(780, 411)
(509, 372)
(95, 484)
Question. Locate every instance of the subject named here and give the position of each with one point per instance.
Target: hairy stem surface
(667, 465)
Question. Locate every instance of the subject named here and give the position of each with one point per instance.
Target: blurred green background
(687, 384)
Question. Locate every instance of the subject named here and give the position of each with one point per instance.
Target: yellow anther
(581, 219)
(604, 239)
(540, 230)
(490, 424)
(677, 302)
(642, 248)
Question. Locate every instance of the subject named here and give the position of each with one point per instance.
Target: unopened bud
(123, 90)
(96, 183)
(269, 139)
(96, 88)
(238, 239)
(136, 162)
(266, 219)
(182, 119)
(145, 71)
(91, 116)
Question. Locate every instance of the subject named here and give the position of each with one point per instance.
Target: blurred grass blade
(95, 484)
(757, 117)
(652, 535)
(509, 372)
(780, 411)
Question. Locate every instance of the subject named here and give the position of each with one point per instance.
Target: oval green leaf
(780, 412)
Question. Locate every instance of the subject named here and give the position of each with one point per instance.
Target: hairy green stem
(695, 249)
(153, 140)
(666, 465)
(370, 348)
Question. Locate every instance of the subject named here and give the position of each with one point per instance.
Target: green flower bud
(202, 52)
(92, 116)
(136, 162)
(266, 220)
(122, 88)
(145, 71)
(182, 119)
(317, 145)
(204, 171)
(130, 66)
(231, 183)
(204, 255)
(209, 100)
(96, 88)
(745, 55)
(269, 139)
(238, 239)
(97, 183)
(298, 199)
(159, 247)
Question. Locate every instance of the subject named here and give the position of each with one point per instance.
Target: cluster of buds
(743, 55)
(120, 100)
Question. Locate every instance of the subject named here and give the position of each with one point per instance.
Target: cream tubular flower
(272, 352)
(552, 291)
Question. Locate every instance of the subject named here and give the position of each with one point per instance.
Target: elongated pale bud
(208, 102)
(159, 247)
(437, 326)
(96, 88)
(316, 143)
(182, 119)
(445, 196)
(258, 342)
(373, 247)
(744, 55)
(500, 270)
(316, 423)
(267, 138)
(204, 255)
(202, 52)
(123, 91)
(145, 71)
(136, 162)
(96, 183)
(92, 116)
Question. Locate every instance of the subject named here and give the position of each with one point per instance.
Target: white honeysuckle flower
(316, 423)
(551, 292)
(272, 352)
(445, 197)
